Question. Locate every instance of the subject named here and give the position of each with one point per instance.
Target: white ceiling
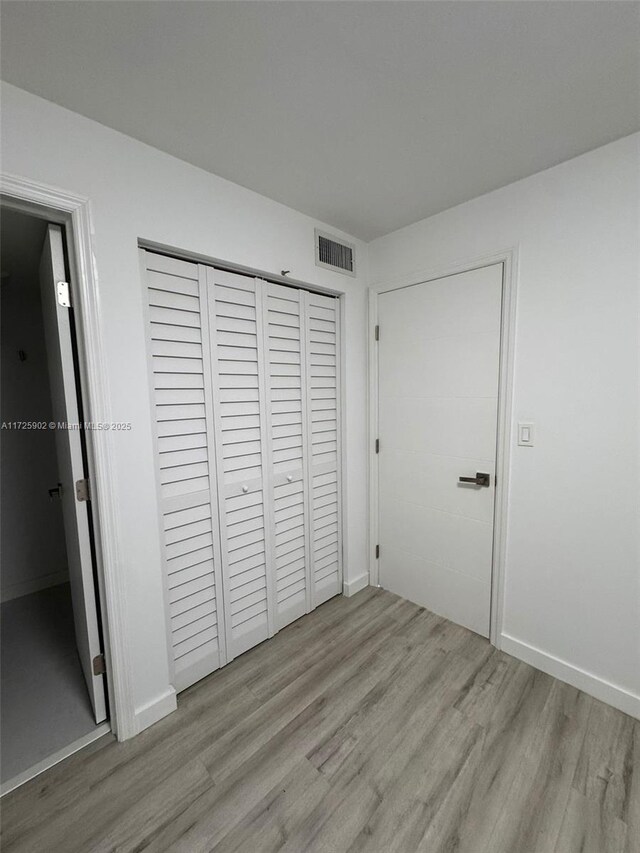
(365, 115)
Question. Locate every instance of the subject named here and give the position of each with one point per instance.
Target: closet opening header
(239, 269)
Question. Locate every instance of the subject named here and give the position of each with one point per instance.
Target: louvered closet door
(181, 386)
(323, 419)
(286, 391)
(235, 318)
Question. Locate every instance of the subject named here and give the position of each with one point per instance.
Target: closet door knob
(245, 489)
(289, 478)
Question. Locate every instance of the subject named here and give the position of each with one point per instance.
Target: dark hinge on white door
(377, 333)
(377, 445)
(377, 552)
(99, 666)
(83, 492)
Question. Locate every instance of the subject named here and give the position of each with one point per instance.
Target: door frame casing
(74, 213)
(509, 260)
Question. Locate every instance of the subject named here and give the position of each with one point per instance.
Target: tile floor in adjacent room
(44, 704)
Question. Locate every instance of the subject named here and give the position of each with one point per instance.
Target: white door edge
(66, 407)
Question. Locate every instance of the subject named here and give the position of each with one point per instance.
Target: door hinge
(64, 294)
(377, 445)
(99, 667)
(377, 333)
(377, 552)
(83, 491)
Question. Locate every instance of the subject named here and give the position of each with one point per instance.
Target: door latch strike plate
(83, 492)
(63, 294)
(99, 667)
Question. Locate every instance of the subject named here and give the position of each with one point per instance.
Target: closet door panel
(285, 343)
(238, 375)
(183, 419)
(323, 418)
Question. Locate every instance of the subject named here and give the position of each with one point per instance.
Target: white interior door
(323, 411)
(283, 320)
(180, 379)
(242, 454)
(439, 355)
(57, 326)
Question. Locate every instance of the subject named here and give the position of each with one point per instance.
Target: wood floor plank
(532, 816)
(269, 824)
(367, 725)
(605, 769)
(481, 694)
(146, 816)
(339, 671)
(508, 734)
(220, 700)
(104, 788)
(393, 697)
(391, 752)
(585, 831)
(266, 747)
(443, 832)
(269, 681)
(337, 821)
(409, 806)
(632, 815)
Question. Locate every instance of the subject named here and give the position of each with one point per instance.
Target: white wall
(572, 593)
(572, 582)
(34, 554)
(136, 193)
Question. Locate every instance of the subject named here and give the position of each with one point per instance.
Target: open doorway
(53, 692)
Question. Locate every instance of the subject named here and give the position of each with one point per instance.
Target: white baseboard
(155, 710)
(16, 590)
(603, 690)
(355, 584)
(99, 731)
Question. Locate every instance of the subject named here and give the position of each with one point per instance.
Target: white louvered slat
(183, 334)
(179, 355)
(184, 607)
(185, 532)
(166, 315)
(322, 411)
(238, 361)
(177, 380)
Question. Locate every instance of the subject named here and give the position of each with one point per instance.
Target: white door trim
(73, 211)
(509, 259)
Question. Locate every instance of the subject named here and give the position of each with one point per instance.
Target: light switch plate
(526, 434)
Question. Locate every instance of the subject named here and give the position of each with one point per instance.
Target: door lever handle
(478, 480)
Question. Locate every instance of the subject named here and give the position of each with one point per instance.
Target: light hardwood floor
(368, 725)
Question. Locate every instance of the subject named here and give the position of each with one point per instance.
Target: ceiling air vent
(334, 254)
